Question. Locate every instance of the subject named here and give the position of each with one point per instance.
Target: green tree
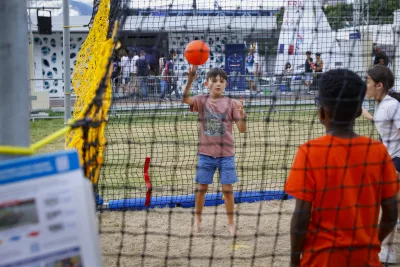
(381, 11)
(339, 16)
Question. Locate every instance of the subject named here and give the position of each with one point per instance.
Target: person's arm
(256, 63)
(367, 115)
(122, 65)
(301, 185)
(298, 230)
(321, 66)
(192, 75)
(389, 191)
(389, 217)
(160, 65)
(241, 123)
(393, 113)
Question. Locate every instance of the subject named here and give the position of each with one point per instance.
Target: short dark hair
(318, 54)
(308, 53)
(381, 55)
(379, 73)
(213, 73)
(341, 93)
(172, 51)
(382, 74)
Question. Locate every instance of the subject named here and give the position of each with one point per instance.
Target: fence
(151, 87)
(276, 90)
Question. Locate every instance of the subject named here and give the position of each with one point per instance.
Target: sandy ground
(161, 237)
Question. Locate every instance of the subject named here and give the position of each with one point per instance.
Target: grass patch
(264, 153)
(44, 127)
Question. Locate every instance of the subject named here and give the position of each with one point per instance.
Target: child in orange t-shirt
(340, 182)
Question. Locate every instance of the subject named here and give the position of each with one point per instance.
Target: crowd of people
(313, 70)
(133, 75)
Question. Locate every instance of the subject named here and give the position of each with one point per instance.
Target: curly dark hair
(341, 93)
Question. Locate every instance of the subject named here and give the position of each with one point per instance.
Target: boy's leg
(227, 172)
(388, 254)
(205, 170)
(227, 191)
(199, 205)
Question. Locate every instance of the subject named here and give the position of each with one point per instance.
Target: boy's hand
(240, 107)
(192, 74)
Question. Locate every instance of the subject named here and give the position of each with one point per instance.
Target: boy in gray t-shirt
(216, 144)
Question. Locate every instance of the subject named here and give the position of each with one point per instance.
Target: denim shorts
(308, 76)
(251, 77)
(396, 162)
(207, 165)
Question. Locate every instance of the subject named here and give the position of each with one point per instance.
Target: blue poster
(235, 66)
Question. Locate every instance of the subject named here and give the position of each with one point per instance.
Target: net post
(67, 72)
(14, 86)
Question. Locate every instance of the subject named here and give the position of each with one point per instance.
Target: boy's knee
(202, 189)
(228, 194)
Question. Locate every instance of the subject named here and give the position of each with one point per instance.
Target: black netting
(151, 157)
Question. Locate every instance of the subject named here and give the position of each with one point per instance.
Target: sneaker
(387, 255)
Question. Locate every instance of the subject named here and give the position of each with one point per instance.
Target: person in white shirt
(162, 62)
(125, 70)
(133, 69)
(386, 118)
(252, 69)
(287, 78)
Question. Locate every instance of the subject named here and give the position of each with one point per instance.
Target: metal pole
(31, 64)
(67, 72)
(14, 85)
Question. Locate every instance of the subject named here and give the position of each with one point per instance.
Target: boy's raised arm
(192, 75)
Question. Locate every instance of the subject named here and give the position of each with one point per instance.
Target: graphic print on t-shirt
(213, 123)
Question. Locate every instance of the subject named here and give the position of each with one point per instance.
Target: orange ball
(197, 52)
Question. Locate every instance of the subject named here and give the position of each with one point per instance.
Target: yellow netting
(91, 67)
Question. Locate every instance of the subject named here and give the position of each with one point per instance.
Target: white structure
(305, 28)
(48, 67)
(48, 52)
(175, 32)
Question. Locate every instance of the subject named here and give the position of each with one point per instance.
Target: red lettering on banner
(295, 3)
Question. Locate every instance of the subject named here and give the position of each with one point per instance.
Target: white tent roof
(199, 23)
